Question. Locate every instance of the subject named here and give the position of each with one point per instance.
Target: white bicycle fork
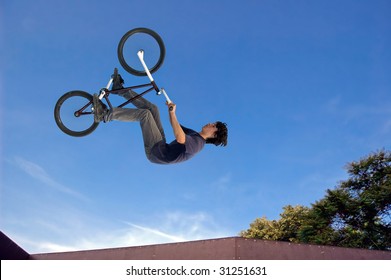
(140, 55)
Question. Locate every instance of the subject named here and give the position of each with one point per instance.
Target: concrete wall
(233, 248)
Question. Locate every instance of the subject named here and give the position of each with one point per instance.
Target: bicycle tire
(64, 116)
(155, 37)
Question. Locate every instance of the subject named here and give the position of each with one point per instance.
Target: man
(187, 142)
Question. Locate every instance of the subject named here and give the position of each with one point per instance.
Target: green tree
(284, 229)
(290, 222)
(357, 213)
(261, 228)
(354, 214)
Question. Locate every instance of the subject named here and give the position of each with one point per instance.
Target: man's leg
(151, 132)
(139, 102)
(142, 103)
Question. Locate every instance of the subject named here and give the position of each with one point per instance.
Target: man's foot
(100, 109)
(117, 80)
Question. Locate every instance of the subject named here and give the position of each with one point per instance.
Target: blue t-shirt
(175, 152)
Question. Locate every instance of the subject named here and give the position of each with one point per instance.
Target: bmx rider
(187, 142)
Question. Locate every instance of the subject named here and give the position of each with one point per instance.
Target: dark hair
(221, 135)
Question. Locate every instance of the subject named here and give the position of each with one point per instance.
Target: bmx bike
(139, 47)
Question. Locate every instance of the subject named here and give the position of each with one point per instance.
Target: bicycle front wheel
(141, 39)
(74, 114)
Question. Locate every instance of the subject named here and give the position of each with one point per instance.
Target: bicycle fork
(140, 55)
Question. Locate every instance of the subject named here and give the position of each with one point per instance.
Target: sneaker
(117, 80)
(99, 109)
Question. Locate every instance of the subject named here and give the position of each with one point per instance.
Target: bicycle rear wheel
(141, 39)
(74, 114)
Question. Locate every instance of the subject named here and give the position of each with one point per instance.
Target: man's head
(215, 133)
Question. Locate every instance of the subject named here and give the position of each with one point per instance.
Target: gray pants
(148, 116)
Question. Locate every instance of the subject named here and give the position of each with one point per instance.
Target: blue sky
(304, 87)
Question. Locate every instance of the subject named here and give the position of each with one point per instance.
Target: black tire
(156, 44)
(67, 119)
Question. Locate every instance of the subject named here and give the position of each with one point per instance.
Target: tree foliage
(284, 229)
(356, 213)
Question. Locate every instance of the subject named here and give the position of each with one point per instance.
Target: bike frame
(105, 92)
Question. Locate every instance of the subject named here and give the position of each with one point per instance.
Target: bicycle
(74, 111)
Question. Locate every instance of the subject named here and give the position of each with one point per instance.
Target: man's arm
(180, 135)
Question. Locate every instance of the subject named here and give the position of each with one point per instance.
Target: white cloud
(223, 182)
(157, 234)
(46, 247)
(39, 173)
(70, 228)
(173, 227)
